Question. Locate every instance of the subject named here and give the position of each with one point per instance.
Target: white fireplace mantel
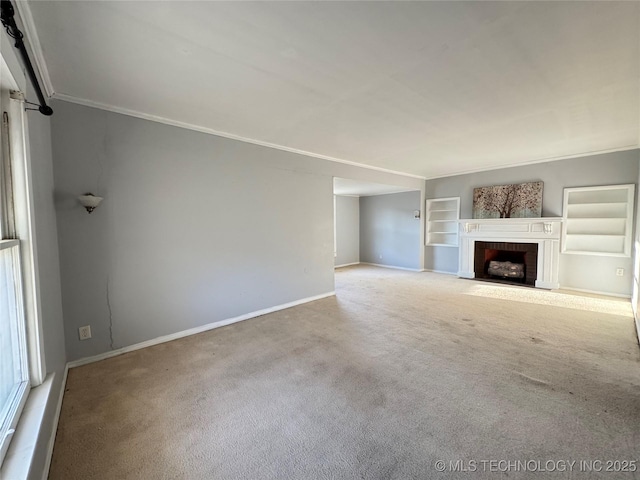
(544, 231)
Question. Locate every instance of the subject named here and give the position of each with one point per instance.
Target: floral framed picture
(521, 200)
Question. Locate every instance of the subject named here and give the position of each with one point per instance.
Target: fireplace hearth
(507, 262)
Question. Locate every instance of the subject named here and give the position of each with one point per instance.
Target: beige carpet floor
(398, 371)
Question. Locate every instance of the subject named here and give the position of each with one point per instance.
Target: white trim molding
(346, 265)
(536, 161)
(393, 267)
(543, 231)
(442, 272)
(211, 131)
(54, 425)
(595, 292)
(194, 331)
(25, 229)
(31, 34)
(18, 462)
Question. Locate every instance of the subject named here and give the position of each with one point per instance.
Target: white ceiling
(356, 188)
(427, 88)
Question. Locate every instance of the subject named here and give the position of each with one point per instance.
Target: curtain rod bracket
(9, 23)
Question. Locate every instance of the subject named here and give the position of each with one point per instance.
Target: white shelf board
(591, 204)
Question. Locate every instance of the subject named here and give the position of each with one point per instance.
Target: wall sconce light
(90, 201)
(416, 214)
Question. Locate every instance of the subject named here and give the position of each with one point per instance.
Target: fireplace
(534, 243)
(508, 262)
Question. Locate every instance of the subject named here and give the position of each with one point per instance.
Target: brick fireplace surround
(545, 232)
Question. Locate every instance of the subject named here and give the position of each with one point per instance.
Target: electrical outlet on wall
(620, 272)
(84, 332)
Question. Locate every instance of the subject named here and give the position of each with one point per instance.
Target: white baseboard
(634, 308)
(393, 267)
(194, 331)
(54, 426)
(595, 292)
(163, 339)
(455, 274)
(346, 265)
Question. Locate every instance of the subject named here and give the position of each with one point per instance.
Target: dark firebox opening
(507, 262)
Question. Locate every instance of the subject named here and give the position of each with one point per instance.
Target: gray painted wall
(576, 271)
(194, 228)
(347, 230)
(389, 235)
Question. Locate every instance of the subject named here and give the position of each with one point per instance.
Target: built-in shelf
(442, 221)
(598, 220)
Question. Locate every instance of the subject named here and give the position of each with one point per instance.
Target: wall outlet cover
(620, 272)
(84, 332)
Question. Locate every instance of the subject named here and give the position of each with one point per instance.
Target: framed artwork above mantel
(521, 200)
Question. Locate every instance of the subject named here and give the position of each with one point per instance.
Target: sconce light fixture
(90, 201)
(416, 214)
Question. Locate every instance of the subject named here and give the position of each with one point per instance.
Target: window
(14, 368)
(14, 373)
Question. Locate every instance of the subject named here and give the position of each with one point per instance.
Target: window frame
(20, 392)
(24, 244)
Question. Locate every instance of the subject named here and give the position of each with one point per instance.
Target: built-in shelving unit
(442, 221)
(598, 220)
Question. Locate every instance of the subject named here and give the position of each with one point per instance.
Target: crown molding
(34, 42)
(535, 161)
(24, 13)
(211, 131)
(393, 192)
